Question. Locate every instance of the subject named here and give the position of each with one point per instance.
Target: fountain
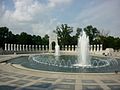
(57, 48)
(83, 51)
(81, 62)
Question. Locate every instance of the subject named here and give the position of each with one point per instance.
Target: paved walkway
(12, 78)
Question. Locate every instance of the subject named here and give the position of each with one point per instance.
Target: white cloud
(31, 16)
(54, 3)
(45, 27)
(26, 9)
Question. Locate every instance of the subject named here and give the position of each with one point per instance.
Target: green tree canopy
(92, 32)
(64, 33)
(5, 36)
(45, 39)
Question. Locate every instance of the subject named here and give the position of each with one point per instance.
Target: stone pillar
(39, 47)
(5, 46)
(46, 47)
(50, 46)
(8, 47)
(97, 47)
(14, 47)
(65, 47)
(23, 47)
(36, 48)
(11, 47)
(94, 48)
(75, 47)
(20, 47)
(68, 47)
(101, 47)
(32, 47)
(91, 48)
(29, 47)
(72, 47)
(42, 47)
(26, 47)
(17, 47)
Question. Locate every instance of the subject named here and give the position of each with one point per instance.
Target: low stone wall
(22, 52)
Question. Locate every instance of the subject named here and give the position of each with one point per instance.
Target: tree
(92, 32)
(45, 40)
(78, 32)
(117, 43)
(10, 38)
(23, 38)
(3, 34)
(63, 32)
(74, 38)
(38, 40)
(34, 38)
(6, 36)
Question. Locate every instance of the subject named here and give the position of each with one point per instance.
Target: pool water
(65, 63)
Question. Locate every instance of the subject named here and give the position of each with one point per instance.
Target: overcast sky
(41, 17)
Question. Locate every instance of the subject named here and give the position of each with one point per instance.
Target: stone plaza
(16, 77)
